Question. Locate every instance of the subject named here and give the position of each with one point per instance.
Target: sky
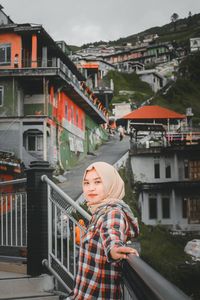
(78, 22)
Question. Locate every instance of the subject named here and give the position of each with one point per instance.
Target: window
(194, 169)
(156, 168)
(82, 124)
(34, 143)
(66, 111)
(5, 54)
(186, 169)
(167, 169)
(72, 114)
(184, 208)
(152, 207)
(77, 117)
(1, 95)
(194, 210)
(33, 140)
(165, 207)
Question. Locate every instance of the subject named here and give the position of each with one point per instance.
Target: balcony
(57, 69)
(168, 142)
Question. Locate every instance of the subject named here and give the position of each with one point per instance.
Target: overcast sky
(83, 21)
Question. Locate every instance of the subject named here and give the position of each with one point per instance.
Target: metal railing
(141, 282)
(13, 215)
(62, 248)
(13, 219)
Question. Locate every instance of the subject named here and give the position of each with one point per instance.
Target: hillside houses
(47, 111)
(127, 59)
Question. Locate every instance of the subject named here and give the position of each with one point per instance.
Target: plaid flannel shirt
(98, 276)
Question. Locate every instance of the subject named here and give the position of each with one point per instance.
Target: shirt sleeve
(113, 231)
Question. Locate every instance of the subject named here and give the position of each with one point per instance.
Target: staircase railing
(62, 247)
(141, 282)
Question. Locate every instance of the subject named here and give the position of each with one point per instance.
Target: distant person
(104, 244)
(16, 61)
(131, 133)
(121, 132)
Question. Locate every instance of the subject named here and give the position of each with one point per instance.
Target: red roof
(153, 112)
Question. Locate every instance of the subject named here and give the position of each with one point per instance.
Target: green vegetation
(163, 251)
(134, 89)
(185, 92)
(180, 30)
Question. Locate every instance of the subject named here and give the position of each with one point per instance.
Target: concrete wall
(143, 168)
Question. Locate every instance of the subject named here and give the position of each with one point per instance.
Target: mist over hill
(179, 30)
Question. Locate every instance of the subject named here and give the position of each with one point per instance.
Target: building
(195, 44)
(120, 109)
(153, 78)
(47, 112)
(94, 70)
(166, 169)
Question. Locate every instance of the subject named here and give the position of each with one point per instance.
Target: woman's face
(93, 188)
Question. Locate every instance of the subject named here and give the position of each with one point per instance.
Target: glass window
(152, 208)
(156, 168)
(77, 117)
(31, 142)
(1, 95)
(66, 111)
(72, 114)
(34, 142)
(39, 143)
(184, 208)
(167, 169)
(5, 54)
(165, 207)
(186, 169)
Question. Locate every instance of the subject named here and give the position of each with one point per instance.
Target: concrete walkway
(110, 152)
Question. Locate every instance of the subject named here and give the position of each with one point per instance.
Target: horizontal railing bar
(160, 287)
(45, 178)
(16, 181)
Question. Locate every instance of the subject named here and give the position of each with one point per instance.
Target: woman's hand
(122, 252)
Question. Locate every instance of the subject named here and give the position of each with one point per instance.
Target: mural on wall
(95, 137)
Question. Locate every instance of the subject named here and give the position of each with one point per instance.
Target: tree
(189, 19)
(174, 18)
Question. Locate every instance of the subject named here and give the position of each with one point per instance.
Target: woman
(104, 244)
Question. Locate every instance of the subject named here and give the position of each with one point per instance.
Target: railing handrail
(66, 197)
(148, 279)
(154, 281)
(15, 181)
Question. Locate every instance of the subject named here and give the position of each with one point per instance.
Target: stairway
(18, 286)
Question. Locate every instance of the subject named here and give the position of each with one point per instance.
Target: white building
(195, 44)
(169, 180)
(121, 109)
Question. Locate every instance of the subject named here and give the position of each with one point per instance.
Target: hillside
(185, 91)
(178, 95)
(128, 87)
(178, 32)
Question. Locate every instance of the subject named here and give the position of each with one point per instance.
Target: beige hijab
(113, 183)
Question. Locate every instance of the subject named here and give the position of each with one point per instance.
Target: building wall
(10, 99)
(176, 218)
(11, 136)
(143, 168)
(184, 210)
(95, 135)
